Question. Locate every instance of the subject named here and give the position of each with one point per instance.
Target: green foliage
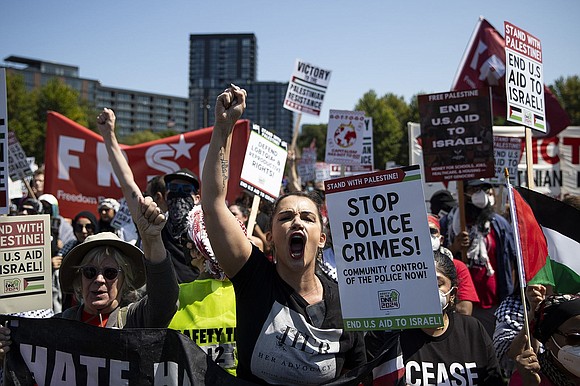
(568, 93)
(387, 128)
(310, 133)
(27, 111)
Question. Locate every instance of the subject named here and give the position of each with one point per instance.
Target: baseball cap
(183, 174)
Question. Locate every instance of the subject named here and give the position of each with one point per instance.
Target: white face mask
(435, 242)
(443, 298)
(480, 199)
(569, 357)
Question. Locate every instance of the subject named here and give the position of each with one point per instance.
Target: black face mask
(179, 204)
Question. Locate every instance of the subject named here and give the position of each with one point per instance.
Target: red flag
(78, 172)
(537, 266)
(483, 65)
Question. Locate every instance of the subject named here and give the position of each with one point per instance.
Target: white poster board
(306, 166)
(367, 160)
(508, 151)
(382, 247)
(18, 165)
(4, 181)
(344, 137)
(25, 263)
(524, 80)
(264, 163)
(306, 88)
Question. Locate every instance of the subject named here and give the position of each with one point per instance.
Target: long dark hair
(445, 266)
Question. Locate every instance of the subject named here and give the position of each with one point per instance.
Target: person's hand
(56, 262)
(535, 293)
(150, 219)
(460, 241)
(106, 122)
(528, 365)
(5, 341)
(230, 105)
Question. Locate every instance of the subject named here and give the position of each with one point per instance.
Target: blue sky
(402, 47)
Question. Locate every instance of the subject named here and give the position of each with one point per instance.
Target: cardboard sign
(524, 80)
(383, 254)
(367, 157)
(306, 166)
(18, 165)
(344, 137)
(456, 135)
(4, 180)
(122, 216)
(507, 155)
(306, 88)
(264, 163)
(25, 263)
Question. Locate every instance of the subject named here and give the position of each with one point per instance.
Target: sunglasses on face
(89, 227)
(433, 231)
(91, 272)
(181, 188)
(572, 338)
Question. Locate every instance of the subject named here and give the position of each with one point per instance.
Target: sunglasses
(181, 188)
(433, 231)
(88, 227)
(572, 338)
(91, 272)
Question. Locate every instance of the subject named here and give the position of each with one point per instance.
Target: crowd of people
(191, 264)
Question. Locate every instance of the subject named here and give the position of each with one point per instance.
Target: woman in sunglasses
(556, 324)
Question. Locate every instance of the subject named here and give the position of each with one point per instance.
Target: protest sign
(4, 181)
(344, 137)
(78, 172)
(18, 165)
(306, 88)
(306, 166)
(25, 263)
(508, 151)
(524, 78)
(367, 157)
(456, 135)
(264, 163)
(382, 245)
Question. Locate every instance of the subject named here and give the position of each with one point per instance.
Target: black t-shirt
(284, 340)
(463, 355)
(183, 269)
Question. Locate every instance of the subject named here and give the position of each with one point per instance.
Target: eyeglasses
(572, 338)
(181, 188)
(89, 227)
(91, 272)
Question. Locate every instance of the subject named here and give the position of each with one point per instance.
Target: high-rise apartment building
(215, 61)
(135, 110)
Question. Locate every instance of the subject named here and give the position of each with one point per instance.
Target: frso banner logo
(389, 299)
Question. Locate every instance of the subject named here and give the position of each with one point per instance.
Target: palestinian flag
(560, 224)
(537, 268)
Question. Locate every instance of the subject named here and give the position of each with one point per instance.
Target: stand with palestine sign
(524, 78)
(382, 246)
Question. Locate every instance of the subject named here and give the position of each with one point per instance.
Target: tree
(311, 133)
(568, 93)
(387, 129)
(27, 111)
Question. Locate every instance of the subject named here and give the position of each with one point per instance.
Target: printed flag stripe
(389, 372)
(34, 287)
(22, 294)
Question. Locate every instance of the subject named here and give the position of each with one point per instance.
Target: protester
(208, 303)
(107, 209)
(242, 213)
(156, 190)
(459, 352)
(29, 206)
(61, 231)
(37, 183)
(490, 246)
(510, 321)
(84, 224)
(466, 294)
(441, 203)
(289, 324)
(183, 193)
(556, 325)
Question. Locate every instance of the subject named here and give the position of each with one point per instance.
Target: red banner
(483, 65)
(78, 171)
